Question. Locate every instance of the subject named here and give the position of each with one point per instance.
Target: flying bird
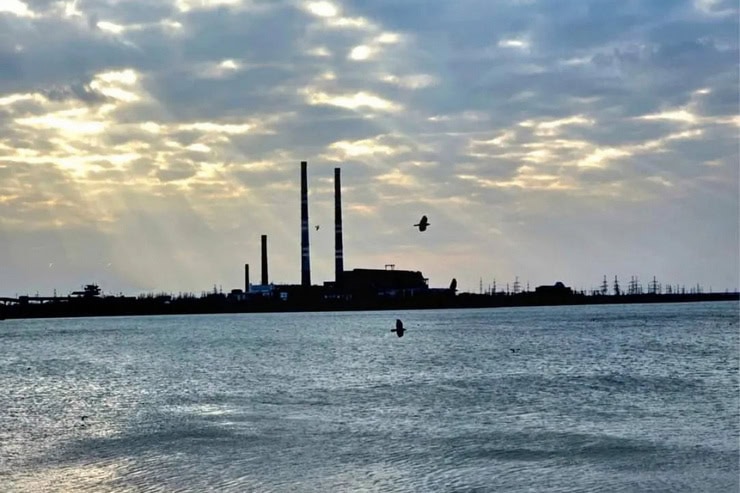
(317, 227)
(422, 225)
(399, 330)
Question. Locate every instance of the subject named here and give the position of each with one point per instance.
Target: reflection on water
(609, 398)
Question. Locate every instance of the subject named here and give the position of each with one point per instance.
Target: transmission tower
(654, 287)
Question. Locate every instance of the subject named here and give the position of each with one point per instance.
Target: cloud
(525, 130)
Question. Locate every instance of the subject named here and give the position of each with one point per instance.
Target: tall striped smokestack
(264, 260)
(338, 246)
(305, 258)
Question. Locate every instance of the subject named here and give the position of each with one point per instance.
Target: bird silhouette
(399, 330)
(317, 227)
(423, 223)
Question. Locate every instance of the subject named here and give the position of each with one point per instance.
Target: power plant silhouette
(346, 285)
(356, 289)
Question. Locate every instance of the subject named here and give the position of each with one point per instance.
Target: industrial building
(347, 285)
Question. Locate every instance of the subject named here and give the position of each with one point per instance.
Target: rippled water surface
(587, 398)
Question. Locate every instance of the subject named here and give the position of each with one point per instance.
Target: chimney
(338, 246)
(264, 260)
(246, 278)
(305, 258)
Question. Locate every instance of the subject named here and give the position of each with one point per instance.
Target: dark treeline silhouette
(317, 298)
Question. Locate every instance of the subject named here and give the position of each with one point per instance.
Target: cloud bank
(147, 146)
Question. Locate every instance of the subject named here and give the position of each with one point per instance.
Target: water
(594, 398)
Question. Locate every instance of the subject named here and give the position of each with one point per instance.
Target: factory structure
(354, 286)
(356, 289)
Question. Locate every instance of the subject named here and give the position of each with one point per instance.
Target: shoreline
(215, 303)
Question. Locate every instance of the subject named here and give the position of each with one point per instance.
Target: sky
(146, 146)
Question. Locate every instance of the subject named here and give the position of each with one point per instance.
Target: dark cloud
(186, 96)
(257, 36)
(724, 98)
(40, 6)
(318, 127)
(135, 11)
(10, 64)
(55, 54)
(80, 91)
(176, 171)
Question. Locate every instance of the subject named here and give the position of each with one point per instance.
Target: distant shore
(213, 303)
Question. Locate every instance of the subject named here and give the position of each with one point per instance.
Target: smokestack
(338, 246)
(305, 258)
(246, 278)
(264, 260)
